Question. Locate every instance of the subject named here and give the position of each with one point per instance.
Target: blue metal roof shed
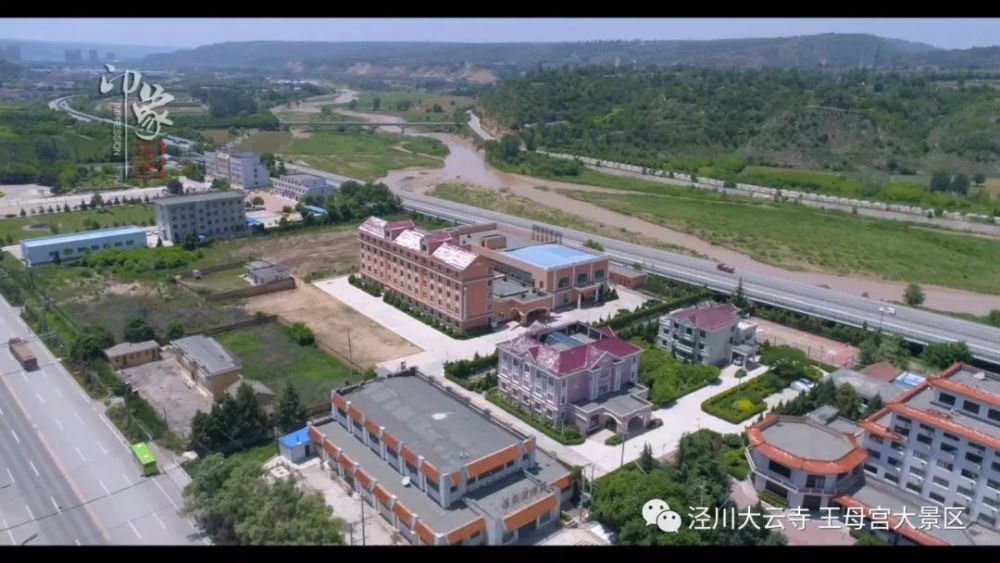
(296, 446)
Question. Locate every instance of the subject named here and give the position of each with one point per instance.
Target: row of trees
(845, 398)
(238, 423)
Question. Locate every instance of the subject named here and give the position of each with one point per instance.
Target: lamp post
(623, 436)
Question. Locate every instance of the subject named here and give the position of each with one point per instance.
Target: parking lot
(170, 391)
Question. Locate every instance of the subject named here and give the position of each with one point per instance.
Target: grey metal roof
(967, 376)
(193, 198)
(508, 494)
(436, 517)
(880, 495)
(620, 403)
(865, 385)
(434, 424)
(207, 353)
(923, 401)
(809, 441)
(130, 348)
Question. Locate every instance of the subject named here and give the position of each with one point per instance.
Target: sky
(192, 32)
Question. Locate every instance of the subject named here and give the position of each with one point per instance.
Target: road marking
(11, 475)
(82, 394)
(79, 453)
(59, 424)
(9, 532)
(18, 440)
(78, 419)
(55, 504)
(137, 534)
(28, 508)
(105, 487)
(162, 525)
(164, 493)
(100, 445)
(127, 482)
(40, 399)
(37, 474)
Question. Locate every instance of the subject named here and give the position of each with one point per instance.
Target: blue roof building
(314, 210)
(296, 446)
(43, 250)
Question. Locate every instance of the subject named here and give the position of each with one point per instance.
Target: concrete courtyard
(172, 393)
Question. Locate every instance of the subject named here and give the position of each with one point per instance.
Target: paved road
(913, 324)
(71, 474)
(477, 128)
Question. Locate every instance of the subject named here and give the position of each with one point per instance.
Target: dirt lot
(327, 251)
(818, 348)
(172, 393)
(332, 321)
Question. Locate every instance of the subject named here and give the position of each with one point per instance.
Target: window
(952, 437)
(917, 471)
(876, 439)
(779, 469)
(964, 491)
(940, 481)
(987, 520)
(871, 468)
(874, 454)
(969, 406)
(920, 455)
(903, 419)
(944, 464)
(993, 415)
(893, 461)
(977, 447)
(995, 485)
(995, 467)
(927, 428)
(948, 448)
(973, 457)
(970, 474)
(989, 501)
(891, 478)
(924, 439)
(946, 398)
(913, 487)
(936, 497)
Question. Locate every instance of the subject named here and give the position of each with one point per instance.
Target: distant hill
(837, 51)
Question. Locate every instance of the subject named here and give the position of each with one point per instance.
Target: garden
(747, 399)
(477, 374)
(668, 378)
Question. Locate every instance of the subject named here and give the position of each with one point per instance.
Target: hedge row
(463, 369)
(370, 288)
(625, 319)
(568, 435)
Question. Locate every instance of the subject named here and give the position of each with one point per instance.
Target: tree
(66, 208)
(96, 200)
(175, 186)
(943, 354)
(301, 334)
(893, 349)
(873, 406)
(940, 181)
(848, 402)
(914, 295)
(646, 459)
(289, 413)
(138, 330)
(159, 242)
(252, 424)
(352, 104)
(22, 212)
(90, 343)
(218, 184)
(326, 110)
(960, 184)
(175, 330)
(979, 178)
(258, 201)
(594, 245)
(376, 103)
(189, 241)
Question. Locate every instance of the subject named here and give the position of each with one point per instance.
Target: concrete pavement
(74, 479)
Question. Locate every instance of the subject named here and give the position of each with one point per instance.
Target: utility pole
(350, 349)
(623, 435)
(362, 497)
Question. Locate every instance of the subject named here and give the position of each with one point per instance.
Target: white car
(802, 385)
(887, 310)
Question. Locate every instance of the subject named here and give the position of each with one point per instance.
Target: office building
(209, 215)
(298, 186)
(240, 169)
(73, 56)
(437, 469)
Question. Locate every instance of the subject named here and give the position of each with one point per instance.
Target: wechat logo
(658, 512)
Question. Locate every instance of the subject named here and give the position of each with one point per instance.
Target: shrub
(568, 434)
(614, 440)
(301, 334)
(628, 318)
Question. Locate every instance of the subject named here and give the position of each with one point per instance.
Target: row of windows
(415, 258)
(970, 407)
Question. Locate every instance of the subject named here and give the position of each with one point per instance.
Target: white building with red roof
(577, 375)
(708, 335)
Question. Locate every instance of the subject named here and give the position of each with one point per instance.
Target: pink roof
(454, 256)
(440, 236)
(568, 361)
(374, 226)
(710, 318)
(405, 224)
(883, 371)
(409, 239)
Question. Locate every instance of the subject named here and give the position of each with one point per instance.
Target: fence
(281, 285)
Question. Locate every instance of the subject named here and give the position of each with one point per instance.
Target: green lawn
(421, 101)
(269, 356)
(74, 221)
(799, 237)
(221, 281)
(266, 141)
(363, 155)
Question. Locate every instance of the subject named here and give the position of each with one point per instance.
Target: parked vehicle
(19, 349)
(802, 385)
(726, 268)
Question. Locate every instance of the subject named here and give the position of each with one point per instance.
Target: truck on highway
(19, 349)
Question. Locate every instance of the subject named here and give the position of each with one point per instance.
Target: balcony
(791, 486)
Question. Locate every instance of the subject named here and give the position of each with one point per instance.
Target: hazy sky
(189, 32)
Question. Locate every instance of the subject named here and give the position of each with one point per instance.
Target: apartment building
(435, 468)
(240, 169)
(298, 186)
(211, 214)
(713, 335)
(428, 270)
(576, 375)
